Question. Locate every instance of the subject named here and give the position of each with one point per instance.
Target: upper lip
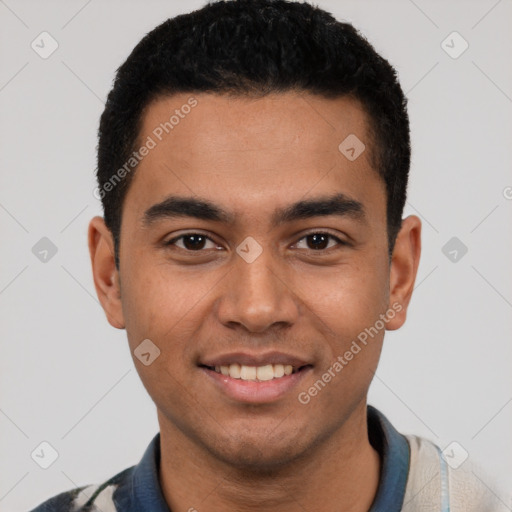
(248, 359)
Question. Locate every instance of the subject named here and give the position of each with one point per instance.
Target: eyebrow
(180, 206)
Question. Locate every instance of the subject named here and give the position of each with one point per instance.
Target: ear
(404, 266)
(105, 273)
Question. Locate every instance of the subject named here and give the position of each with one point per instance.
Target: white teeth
(248, 372)
(260, 373)
(278, 370)
(234, 370)
(265, 372)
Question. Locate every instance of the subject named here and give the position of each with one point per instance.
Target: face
(250, 244)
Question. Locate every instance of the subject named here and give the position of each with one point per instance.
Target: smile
(255, 373)
(256, 384)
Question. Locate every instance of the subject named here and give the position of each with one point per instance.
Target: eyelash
(333, 237)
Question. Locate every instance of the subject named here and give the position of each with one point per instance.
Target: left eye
(320, 241)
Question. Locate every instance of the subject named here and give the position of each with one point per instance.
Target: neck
(339, 474)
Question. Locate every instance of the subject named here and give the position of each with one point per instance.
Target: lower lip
(251, 391)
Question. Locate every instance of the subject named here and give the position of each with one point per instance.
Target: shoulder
(88, 497)
(436, 480)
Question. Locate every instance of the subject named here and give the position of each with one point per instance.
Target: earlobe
(105, 273)
(404, 266)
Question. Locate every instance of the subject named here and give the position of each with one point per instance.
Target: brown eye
(191, 242)
(320, 241)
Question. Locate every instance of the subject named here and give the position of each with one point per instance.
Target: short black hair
(254, 48)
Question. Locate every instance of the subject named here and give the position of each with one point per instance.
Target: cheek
(347, 299)
(353, 332)
(157, 302)
(347, 304)
(161, 310)
(169, 308)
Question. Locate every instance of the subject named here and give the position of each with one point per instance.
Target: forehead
(271, 123)
(254, 152)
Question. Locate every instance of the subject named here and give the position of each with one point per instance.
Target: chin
(259, 454)
(259, 459)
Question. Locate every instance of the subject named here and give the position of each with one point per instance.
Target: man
(252, 163)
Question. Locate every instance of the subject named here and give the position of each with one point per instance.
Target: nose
(257, 296)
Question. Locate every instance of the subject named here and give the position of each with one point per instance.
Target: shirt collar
(394, 452)
(143, 492)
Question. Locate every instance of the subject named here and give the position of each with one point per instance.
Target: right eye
(192, 242)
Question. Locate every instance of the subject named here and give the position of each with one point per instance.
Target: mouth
(255, 373)
(262, 379)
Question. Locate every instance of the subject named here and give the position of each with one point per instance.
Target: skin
(251, 156)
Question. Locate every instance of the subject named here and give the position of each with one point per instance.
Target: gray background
(66, 376)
